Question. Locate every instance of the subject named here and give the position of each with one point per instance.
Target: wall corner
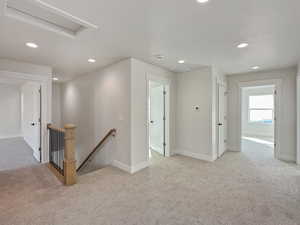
(298, 115)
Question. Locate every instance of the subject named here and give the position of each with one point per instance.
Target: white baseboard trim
(10, 136)
(287, 158)
(139, 166)
(121, 166)
(232, 149)
(130, 169)
(204, 157)
(36, 155)
(161, 151)
(215, 157)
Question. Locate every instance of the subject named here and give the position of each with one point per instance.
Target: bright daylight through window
(261, 109)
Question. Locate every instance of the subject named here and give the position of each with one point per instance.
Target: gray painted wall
(194, 127)
(96, 103)
(10, 111)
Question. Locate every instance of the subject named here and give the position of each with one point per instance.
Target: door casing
(46, 96)
(166, 82)
(221, 89)
(277, 108)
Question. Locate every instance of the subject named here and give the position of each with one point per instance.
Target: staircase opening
(87, 165)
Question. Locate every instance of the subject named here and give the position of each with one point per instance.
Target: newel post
(69, 155)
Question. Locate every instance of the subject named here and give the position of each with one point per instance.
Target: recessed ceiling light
(242, 45)
(202, 1)
(159, 57)
(181, 61)
(91, 60)
(31, 45)
(55, 78)
(255, 67)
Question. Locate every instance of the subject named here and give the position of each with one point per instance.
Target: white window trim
(249, 109)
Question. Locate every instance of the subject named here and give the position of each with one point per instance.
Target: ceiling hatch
(41, 14)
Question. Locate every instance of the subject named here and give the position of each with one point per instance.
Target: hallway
(237, 189)
(15, 153)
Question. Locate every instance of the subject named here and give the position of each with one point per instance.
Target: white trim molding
(203, 157)
(138, 167)
(121, 166)
(287, 158)
(167, 82)
(298, 116)
(130, 169)
(277, 83)
(233, 149)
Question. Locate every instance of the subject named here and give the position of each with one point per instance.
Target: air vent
(46, 16)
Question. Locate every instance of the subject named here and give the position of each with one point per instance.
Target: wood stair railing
(62, 160)
(112, 132)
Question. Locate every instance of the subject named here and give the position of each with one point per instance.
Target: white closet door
(31, 116)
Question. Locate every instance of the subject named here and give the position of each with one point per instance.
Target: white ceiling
(201, 34)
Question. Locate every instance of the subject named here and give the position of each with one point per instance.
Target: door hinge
(275, 92)
(165, 92)
(164, 144)
(40, 149)
(39, 120)
(164, 118)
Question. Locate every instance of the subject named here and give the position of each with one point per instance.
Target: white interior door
(156, 126)
(31, 116)
(221, 120)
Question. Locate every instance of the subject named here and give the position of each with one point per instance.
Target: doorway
(31, 116)
(158, 118)
(20, 133)
(258, 121)
(45, 96)
(221, 112)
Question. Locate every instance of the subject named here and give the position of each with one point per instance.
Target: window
(261, 109)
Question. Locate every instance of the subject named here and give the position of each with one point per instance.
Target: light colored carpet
(15, 153)
(239, 189)
(258, 149)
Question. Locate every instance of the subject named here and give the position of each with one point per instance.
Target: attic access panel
(39, 13)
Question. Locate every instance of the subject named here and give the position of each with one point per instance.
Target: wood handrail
(111, 132)
(49, 126)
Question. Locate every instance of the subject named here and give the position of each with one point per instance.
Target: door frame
(223, 84)
(46, 96)
(298, 119)
(167, 83)
(277, 108)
